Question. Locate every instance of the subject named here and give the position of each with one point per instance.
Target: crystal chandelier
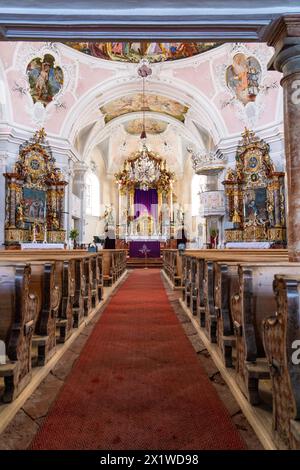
(145, 171)
(144, 71)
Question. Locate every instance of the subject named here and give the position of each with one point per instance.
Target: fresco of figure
(45, 79)
(243, 77)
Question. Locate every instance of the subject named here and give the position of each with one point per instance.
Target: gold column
(131, 202)
(159, 218)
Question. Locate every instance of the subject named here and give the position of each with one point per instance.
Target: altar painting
(255, 205)
(34, 205)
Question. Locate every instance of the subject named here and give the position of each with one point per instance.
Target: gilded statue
(55, 222)
(20, 216)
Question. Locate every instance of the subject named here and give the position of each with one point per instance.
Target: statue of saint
(20, 216)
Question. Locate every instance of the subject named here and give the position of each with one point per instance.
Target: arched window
(92, 195)
(198, 183)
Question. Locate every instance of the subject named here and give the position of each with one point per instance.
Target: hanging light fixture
(144, 71)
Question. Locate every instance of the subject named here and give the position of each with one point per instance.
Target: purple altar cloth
(145, 201)
(136, 246)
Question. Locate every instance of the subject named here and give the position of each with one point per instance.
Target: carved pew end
(12, 388)
(44, 350)
(255, 371)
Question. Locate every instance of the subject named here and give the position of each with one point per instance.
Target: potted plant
(214, 235)
(74, 234)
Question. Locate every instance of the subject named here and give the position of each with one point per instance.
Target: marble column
(3, 158)
(284, 36)
(80, 169)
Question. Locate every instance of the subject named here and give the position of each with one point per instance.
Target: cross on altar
(144, 250)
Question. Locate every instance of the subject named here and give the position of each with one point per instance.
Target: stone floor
(20, 432)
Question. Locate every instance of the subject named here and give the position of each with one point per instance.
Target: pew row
(281, 337)
(44, 295)
(172, 266)
(263, 329)
(114, 265)
(29, 301)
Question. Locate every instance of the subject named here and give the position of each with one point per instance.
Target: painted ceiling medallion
(134, 103)
(135, 51)
(152, 126)
(45, 79)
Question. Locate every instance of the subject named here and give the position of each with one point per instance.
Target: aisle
(138, 383)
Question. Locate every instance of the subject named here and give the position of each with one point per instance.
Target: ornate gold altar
(144, 170)
(35, 193)
(255, 194)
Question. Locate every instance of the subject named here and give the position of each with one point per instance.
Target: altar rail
(44, 296)
(247, 302)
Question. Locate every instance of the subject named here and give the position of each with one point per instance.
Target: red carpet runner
(138, 383)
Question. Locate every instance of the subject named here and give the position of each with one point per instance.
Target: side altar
(35, 192)
(255, 203)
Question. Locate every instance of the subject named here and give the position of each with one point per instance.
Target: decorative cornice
(120, 20)
(17, 135)
(284, 35)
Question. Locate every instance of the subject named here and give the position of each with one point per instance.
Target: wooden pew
(114, 265)
(172, 266)
(224, 282)
(209, 283)
(250, 306)
(37, 289)
(45, 283)
(198, 279)
(82, 282)
(18, 316)
(281, 336)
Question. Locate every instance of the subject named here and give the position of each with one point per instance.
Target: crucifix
(145, 252)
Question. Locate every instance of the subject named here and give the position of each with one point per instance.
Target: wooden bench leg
(77, 316)
(12, 386)
(227, 345)
(202, 317)
(254, 372)
(212, 328)
(295, 434)
(45, 350)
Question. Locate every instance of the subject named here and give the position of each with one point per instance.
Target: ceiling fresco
(152, 126)
(135, 51)
(134, 103)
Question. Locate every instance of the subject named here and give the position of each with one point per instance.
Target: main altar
(145, 201)
(35, 191)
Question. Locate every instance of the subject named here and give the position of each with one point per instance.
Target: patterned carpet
(138, 383)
